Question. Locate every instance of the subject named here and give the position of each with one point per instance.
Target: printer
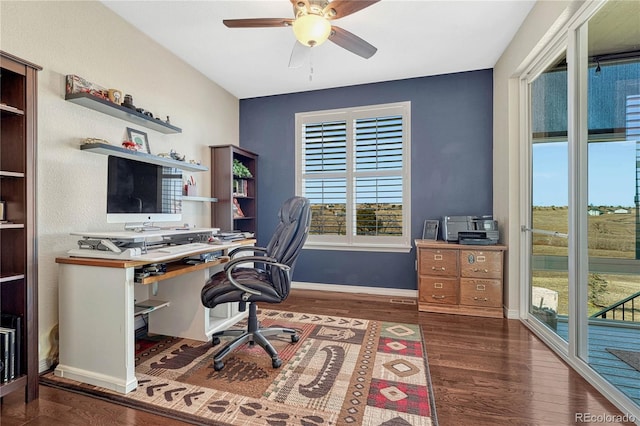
(473, 230)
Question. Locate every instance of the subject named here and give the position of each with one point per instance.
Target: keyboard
(183, 248)
(153, 255)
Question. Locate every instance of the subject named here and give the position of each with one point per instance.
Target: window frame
(349, 115)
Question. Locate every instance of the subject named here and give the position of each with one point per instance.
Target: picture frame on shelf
(140, 139)
(430, 229)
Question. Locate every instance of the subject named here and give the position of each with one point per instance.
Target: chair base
(254, 334)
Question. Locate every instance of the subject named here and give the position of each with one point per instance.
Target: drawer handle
(486, 271)
(481, 287)
(437, 269)
(481, 299)
(436, 296)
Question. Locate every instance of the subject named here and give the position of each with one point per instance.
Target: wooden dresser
(460, 279)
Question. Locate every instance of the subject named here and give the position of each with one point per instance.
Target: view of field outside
(611, 235)
(371, 219)
(611, 219)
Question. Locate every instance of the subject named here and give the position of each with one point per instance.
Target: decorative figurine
(128, 102)
(176, 156)
(130, 145)
(115, 96)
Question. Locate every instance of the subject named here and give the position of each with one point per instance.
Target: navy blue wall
(451, 166)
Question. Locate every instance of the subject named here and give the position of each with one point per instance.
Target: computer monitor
(139, 193)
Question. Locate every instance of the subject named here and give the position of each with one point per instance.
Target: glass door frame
(547, 58)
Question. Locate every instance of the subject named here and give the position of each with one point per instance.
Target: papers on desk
(234, 236)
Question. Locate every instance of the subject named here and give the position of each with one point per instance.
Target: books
(7, 344)
(10, 347)
(240, 188)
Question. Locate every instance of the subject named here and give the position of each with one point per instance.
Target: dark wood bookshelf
(18, 261)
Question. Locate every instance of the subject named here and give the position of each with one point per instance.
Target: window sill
(391, 248)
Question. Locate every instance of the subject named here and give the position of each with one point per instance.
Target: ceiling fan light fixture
(311, 30)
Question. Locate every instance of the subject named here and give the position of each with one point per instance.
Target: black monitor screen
(147, 190)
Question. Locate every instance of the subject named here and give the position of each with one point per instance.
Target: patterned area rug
(630, 357)
(342, 371)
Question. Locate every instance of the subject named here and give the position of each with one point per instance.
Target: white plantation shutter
(353, 165)
(325, 146)
(378, 143)
(378, 175)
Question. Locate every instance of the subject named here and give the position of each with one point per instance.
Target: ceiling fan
(312, 26)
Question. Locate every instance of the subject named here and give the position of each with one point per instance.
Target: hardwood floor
(484, 371)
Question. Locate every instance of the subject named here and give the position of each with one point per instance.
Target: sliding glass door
(612, 147)
(582, 224)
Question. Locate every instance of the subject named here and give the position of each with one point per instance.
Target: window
(353, 165)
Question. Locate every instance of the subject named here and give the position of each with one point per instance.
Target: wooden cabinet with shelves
(460, 279)
(18, 281)
(236, 209)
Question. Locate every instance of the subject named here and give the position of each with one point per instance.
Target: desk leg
(97, 343)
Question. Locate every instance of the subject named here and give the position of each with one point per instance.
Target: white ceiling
(414, 39)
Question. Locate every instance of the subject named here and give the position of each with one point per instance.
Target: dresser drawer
(438, 262)
(479, 292)
(481, 264)
(438, 290)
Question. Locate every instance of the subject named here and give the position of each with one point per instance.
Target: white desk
(96, 308)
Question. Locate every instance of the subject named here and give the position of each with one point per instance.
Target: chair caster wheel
(295, 338)
(215, 341)
(218, 365)
(276, 362)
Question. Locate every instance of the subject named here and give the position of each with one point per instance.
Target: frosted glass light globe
(311, 30)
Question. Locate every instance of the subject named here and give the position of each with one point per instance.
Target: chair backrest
(287, 240)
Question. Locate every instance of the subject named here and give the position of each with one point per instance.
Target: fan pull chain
(311, 65)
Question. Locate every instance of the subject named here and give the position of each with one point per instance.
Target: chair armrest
(246, 248)
(230, 266)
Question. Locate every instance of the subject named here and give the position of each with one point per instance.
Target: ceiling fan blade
(340, 8)
(351, 42)
(299, 55)
(257, 22)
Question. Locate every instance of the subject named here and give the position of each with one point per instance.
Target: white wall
(538, 29)
(87, 39)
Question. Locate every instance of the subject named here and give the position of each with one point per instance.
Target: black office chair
(269, 281)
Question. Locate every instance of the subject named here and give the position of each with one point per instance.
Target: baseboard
(512, 313)
(396, 292)
(43, 365)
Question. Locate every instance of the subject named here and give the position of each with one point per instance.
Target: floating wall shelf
(106, 149)
(97, 104)
(201, 199)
